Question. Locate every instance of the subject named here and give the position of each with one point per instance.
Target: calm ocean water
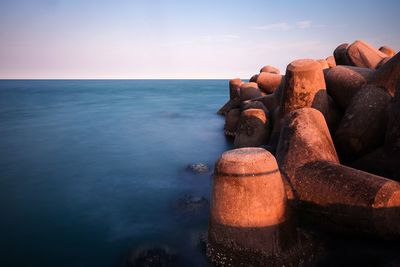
(92, 169)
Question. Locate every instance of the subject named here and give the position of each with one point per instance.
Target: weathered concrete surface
(249, 91)
(231, 122)
(364, 55)
(347, 199)
(268, 82)
(363, 126)
(340, 55)
(304, 138)
(342, 82)
(387, 50)
(270, 69)
(253, 128)
(248, 207)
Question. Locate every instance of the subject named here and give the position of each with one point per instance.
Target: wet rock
(152, 257)
(198, 168)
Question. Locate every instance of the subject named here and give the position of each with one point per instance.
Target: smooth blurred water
(91, 169)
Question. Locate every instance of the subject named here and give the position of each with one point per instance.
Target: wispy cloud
(286, 26)
(304, 24)
(281, 26)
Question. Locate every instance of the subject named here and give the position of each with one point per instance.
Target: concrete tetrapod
(252, 129)
(362, 54)
(363, 126)
(304, 87)
(231, 122)
(304, 138)
(249, 224)
(268, 82)
(347, 200)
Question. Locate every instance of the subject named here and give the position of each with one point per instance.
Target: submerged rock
(198, 168)
(152, 257)
(190, 203)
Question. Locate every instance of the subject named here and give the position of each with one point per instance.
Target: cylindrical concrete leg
(231, 122)
(304, 138)
(270, 69)
(347, 200)
(304, 85)
(234, 88)
(252, 130)
(364, 55)
(340, 55)
(248, 208)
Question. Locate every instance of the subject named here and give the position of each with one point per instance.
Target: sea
(108, 173)
(96, 172)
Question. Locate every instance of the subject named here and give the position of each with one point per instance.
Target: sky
(142, 39)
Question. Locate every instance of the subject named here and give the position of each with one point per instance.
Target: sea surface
(92, 171)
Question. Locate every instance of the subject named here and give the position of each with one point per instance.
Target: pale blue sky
(181, 39)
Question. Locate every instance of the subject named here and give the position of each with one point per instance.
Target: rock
(324, 64)
(304, 138)
(192, 204)
(252, 129)
(268, 82)
(198, 168)
(363, 126)
(340, 55)
(342, 82)
(347, 200)
(248, 209)
(153, 257)
(331, 61)
(270, 69)
(364, 55)
(231, 122)
(387, 50)
(249, 91)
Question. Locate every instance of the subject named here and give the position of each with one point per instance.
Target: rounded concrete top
(304, 65)
(248, 161)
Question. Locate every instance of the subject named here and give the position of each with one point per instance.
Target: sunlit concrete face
(177, 39)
